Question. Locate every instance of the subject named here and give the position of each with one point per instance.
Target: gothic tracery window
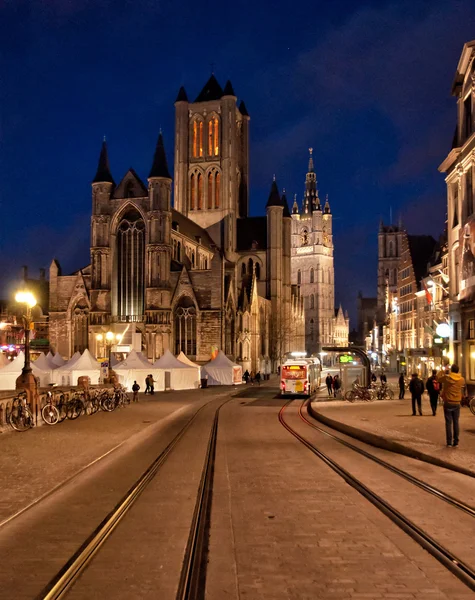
(197, 138)
(213, 137)
(130, 264)
(80, 325)
(185, 327)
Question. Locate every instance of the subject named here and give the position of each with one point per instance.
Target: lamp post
(108, 339)
(29, 301)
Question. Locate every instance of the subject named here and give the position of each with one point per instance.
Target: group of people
(450, 386)
(251, 377)
(333, 385)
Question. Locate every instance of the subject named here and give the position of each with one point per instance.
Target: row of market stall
(169, 372)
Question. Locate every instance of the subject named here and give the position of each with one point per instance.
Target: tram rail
(458, 567)
(193, 572)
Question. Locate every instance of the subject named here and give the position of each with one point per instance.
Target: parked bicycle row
(59, 406)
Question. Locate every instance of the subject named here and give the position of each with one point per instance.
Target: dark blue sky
(366, 84)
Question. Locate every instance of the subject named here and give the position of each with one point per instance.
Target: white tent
(173, 374)
(42, 369)
(84, 365)
(134, 368)
(222, 371)
(182, 357)
(10, 373)
(3, 360)
(59, 360)
(50, 359)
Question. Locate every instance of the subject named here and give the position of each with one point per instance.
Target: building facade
(197, 277)
(313, 269)
(458, 167)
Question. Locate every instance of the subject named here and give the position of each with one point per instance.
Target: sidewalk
(389, 424)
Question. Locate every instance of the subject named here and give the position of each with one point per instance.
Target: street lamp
(29, 301)
(109, 338)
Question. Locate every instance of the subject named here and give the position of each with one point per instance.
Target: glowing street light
(28, 299)
(109, 339)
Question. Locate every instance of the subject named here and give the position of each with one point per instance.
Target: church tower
(312, 262)
(212, 161)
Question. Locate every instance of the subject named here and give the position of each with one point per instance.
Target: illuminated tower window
(197, 138)
(201, 139)
(130, 265)
(213, 137)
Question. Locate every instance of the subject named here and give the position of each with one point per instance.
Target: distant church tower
(212, 161)
(312, 263)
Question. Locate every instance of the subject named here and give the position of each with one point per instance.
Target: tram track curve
(458, 567)
(194, 558)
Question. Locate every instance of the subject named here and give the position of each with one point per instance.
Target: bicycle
(49, 412)
(75, 407)
(359, 392)
(20, 418)
(384, 392)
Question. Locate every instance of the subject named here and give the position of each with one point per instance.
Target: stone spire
(103, 173)
(311, 200)
(327, 206)
(286, 212)
(159, 166)
(295, 206)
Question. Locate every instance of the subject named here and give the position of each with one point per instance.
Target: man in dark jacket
(402, 386)
(433, 387)
(329, 382)
(416, 387)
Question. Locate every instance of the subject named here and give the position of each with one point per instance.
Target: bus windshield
(294, 372)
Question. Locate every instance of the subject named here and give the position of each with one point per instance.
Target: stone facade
(313, 270)
(197, 277)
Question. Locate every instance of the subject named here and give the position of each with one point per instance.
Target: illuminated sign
(345, 358)
(438, 341)
(443, 330)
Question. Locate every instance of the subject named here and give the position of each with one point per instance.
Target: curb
(379, 442)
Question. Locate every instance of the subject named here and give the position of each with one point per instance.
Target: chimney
(42, 274)
(25, 272)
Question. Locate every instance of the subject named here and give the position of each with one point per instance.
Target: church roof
(131, 186)
(251, 231)
(182, 97)
(274, 196)
(103, 173)
(421, 248)
(211, 91)
(159, 166)
(192, 230)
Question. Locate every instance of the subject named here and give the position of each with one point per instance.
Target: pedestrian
(373, 377)
(329, 382)
(278, 370)
(453, 385)
(246, 376)
(258, 377)
(402, 386)
(383, 378)
(433, 388)
(336, 385)
(416, 387)
(135, 390)
(152, 381)
(147, 384)
(252, 376)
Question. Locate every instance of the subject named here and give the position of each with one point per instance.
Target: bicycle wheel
(88, 408)
(108, 404)
(390, 394)
(472, 406)
(350, 396)
(74, 409)
(50, 414)
(21, 419)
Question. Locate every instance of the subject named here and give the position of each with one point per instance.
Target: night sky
(367, 85)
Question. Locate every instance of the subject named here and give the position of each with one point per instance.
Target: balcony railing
(128, 318)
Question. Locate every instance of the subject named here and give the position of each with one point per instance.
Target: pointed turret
(103, 174)
(310, 161)
(295, 206)
(211, 91)
(228, 89)
(311, 201)
(274, 196)
(285, 203)
(243, 109)
(182, 97)
(159, 166)
(327, 206)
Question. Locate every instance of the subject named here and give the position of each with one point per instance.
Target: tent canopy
(222, 371)
(59, 360)
(168, 361)
(135, 360)
(182, 357)
(221, 361)
(42, 363)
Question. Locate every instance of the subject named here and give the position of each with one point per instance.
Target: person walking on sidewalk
(258, 377)
(416, 387)
(433, 388)
(329, 382)
(383, 378)
(135, 390)
(336, 385)
(453, 385)
(402, 386)
(147, 384)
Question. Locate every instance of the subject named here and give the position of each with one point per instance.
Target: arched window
(192, 259)
(312, 302)
(312, 275)
(200, 191)
(299, 277)
(217, 189)
(185, 327)
(213, 136)
(130, 265)
(192, 191)
(178, 252)
(210, 189)
(197, 138)
(80, 325)
(250, 266)
(391, 248)
(258, 270)
(243, 269)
